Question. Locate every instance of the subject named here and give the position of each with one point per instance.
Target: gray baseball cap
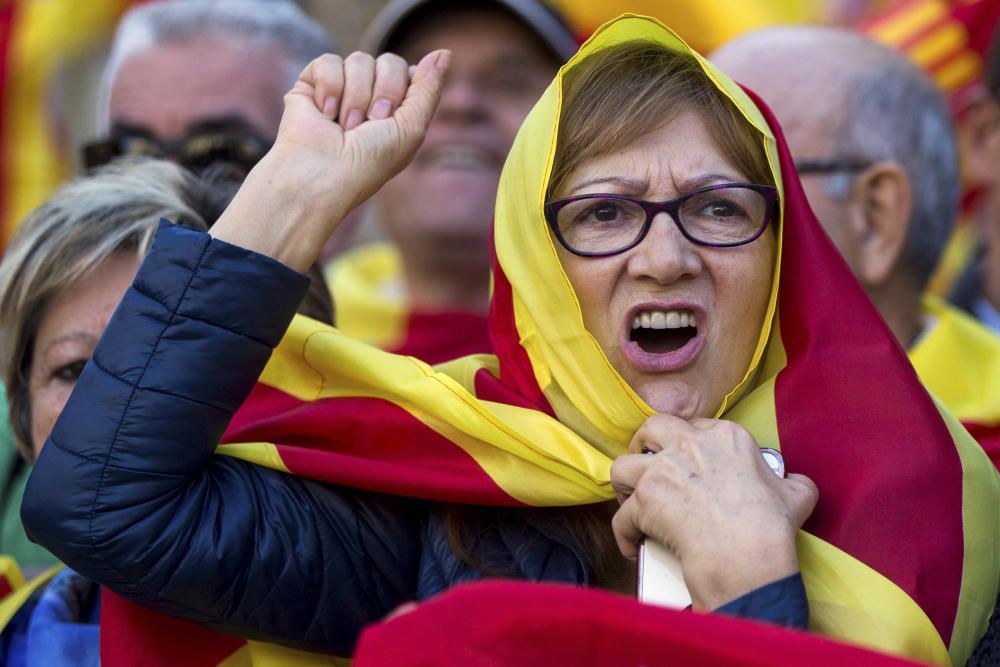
(550, 28)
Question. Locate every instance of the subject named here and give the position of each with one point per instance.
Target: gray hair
(277, 23)
(893, 111)
(111, 211)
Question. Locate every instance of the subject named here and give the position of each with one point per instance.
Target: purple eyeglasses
(720, 216)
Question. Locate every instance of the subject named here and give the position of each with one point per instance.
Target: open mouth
(663, 331)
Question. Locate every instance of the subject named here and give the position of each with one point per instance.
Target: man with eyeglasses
(873, 141)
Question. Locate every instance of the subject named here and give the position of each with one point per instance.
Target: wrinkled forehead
(642, 142)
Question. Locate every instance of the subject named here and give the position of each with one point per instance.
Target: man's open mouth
(663, 331)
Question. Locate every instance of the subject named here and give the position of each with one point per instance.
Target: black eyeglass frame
(652, 209)
(100, 152)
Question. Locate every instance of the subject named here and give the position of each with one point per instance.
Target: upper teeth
(663, 319)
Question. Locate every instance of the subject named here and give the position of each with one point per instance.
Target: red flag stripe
(860, 510)
(988, 437)
(516, 371)
(133, 635)
(538, 625)
(332, 440)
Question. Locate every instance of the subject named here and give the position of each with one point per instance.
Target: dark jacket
(127, 490)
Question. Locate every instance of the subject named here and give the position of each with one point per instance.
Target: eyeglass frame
(652, 209)
(844, 166)
(113, 146)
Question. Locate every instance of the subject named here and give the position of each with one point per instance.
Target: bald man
(873, 142)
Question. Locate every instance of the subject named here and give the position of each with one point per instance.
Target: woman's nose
(664, 255)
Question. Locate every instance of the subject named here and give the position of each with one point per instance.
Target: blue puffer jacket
(128, 492)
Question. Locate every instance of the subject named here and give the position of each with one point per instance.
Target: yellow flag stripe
(852, 602)
(962, 70)
(949, 39)
(903, 26)
(981, 484)
(959, 361)
(16, 599)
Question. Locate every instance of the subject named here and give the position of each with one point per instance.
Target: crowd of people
(614, 270)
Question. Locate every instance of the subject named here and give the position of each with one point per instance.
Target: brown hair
(622, 93)
(612, 99)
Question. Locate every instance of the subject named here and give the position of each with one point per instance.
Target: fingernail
(330, 107)
(380, 109)
(354, 119)
(442, 60)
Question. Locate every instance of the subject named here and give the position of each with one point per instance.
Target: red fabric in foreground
(544, 625)
(439, 337)
(827, 412)
(332, 440)
(132, 635)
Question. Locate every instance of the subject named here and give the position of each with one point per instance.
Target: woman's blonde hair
(620, 94)
(114, 210)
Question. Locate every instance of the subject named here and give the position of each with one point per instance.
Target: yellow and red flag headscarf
(902, 550)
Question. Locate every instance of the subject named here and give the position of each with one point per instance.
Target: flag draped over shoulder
(901, 552)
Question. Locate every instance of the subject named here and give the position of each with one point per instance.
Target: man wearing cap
(426, 294)
(873, 141)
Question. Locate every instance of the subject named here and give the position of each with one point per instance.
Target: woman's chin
(680, 401)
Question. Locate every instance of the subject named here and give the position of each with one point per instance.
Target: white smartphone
(661, 581)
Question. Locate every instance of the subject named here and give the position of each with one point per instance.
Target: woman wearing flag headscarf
(647, 222)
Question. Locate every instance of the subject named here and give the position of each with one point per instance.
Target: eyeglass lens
(725, 216)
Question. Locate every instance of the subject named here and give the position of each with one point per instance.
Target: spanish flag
(37, 37)
(901, 553)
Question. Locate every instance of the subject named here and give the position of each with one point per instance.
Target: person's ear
(978, 133)
(882, 204)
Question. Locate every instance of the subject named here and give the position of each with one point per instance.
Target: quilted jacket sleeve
(128, 492)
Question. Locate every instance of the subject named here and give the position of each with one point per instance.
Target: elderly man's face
(498, 71)
(810, 113)
(174, 89)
